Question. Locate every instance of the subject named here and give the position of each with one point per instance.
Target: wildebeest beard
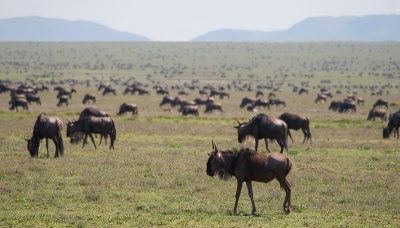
(247, 138)
(224, 175)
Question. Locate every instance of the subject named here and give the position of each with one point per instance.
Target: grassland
(156, 175)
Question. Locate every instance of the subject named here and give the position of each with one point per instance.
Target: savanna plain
(156, 176)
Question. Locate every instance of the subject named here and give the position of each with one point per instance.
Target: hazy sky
(182, 20)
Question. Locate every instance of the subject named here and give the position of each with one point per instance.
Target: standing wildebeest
(321, 98)
(271, 94)
(264, 127)
(93, 112)
(296, 122)
(360, 100)
(345, 107)
(259, 93)
(261, 103)
(210, 107)
(276, 102)
(190, 109)
(62, 100)
(46, 127)
(141, 91)
(394, 123)
(19, 102)
(65, 92)
(247, 165)
(246, 101)
(203, 92)
(167, 100)
(124, 108)
(335, 105)
(377, 113)
(381, 102)
(91, 124)
(89, 97)
(109, 90)
(221, 94)
(33, 98)
(162, 91)
(302, 90)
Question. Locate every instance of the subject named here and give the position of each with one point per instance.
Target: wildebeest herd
(246, 165)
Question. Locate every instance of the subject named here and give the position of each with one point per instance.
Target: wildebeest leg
(286, 186)
(256, 144)
(290, 135)
(238, 190)
(309, 134)
(47, 147)
(281, 144)
(305, 135)
(250, 190)
(91, 137)
(84, 140)
(266, 145)
(55, 144)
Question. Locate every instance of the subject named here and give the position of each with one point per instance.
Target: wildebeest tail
(60, 139)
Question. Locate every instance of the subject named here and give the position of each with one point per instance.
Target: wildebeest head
(241, 133)
(213, 163)
(73, 132)
(33, 146)
(386, 133)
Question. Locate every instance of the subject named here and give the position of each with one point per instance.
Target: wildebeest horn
(214, 146)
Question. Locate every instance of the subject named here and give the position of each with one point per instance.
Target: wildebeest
(167, 100)
(345, 107)
(246, 101)
(124, 108)
(190, 109)
(271, 94)
(62, 100)
(276, 102)
(109, 90)
(162, 91)
(183, 93)
(141, 91)
(261, 103)
(381, 102)
(93, 112)
(360, 100)
(302, 90)
(335, 105)
(98, 125)
(247, 165)
(88, 97)
(221, 94)
(65, 92)
(321, 98)
(393, 124)
(377, 113)
(259, 93)
(47, 127)
(33, 98)
(210, 107)
(19, 102)
(203, 92)
(297, 122)
(264, 127)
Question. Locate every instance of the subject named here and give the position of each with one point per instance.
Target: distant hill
(46, 29)
(366, 28)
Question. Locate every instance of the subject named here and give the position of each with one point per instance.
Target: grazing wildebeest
(182, 103)
(62, 100)
(109, 90)
(247, 165)
(47, 127)
(128, 90)
(262, 103)
(335, 105)
(394, 104)
(162, 91)
(183, 93)
(92, 112)
(124, 108)
(251, 108)
(381, 102)
(264, 127)
(33, 98)
(65, 92)
(190, 109)
(91, 124)
(321, 98)
(271, 94)
(167, 100)
(302, 90)
(203, 92)
(200, 101)
(381, 113)
(19, 102)
(210, 107)
(360, 100)
(297, 122)
(246, 101)
(141, 91)
(89, 97)
(276, 102)
(221, 94)
(345, 107)
(394, 123)
(259, 93)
